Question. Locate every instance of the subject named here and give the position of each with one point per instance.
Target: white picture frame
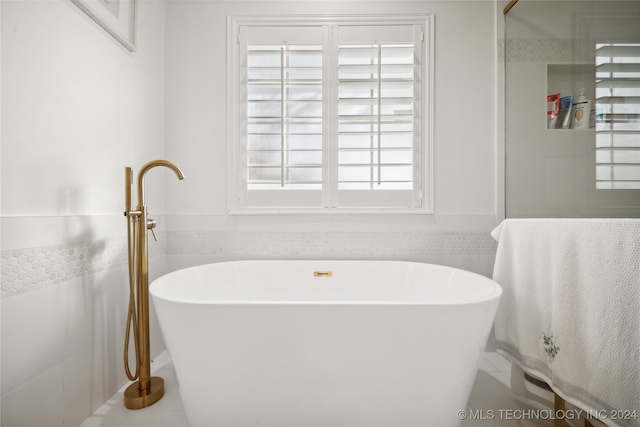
(117, 17)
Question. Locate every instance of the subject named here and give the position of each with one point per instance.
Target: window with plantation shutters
(330, 114)
(618, 116)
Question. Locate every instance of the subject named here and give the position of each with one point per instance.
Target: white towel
(570, 308)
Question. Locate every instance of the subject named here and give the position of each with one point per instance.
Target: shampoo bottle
(581, 112)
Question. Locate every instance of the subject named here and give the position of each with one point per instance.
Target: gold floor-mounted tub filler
(147, 390)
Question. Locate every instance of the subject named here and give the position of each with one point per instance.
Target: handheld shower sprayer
(147, 390)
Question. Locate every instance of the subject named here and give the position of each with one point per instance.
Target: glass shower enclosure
(572, 109)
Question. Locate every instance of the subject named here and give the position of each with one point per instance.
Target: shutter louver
(618, 116)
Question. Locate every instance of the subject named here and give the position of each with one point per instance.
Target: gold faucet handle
(151, 224)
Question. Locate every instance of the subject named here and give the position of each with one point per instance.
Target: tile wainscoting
(30, 269)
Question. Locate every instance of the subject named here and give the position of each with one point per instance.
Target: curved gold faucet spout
(145, 169)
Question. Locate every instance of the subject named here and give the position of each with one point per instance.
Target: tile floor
(490, 393)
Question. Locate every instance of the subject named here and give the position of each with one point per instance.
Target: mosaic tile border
(545, 50)
(27, 270)
(327, 244)
(30, 269)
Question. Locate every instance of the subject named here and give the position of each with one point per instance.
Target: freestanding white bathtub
(357, 344)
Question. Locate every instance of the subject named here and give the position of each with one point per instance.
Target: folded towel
(570, 308)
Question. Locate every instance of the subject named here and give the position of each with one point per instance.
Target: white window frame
(236, 172)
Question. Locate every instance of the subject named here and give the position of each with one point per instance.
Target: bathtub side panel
(324, 365)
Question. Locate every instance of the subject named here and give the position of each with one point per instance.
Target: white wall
(77, 107)
(464, 145)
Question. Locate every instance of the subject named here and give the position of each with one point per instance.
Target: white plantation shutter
(379, 115)
(282, 83)
(284, 116)
(618, 111)
(330, 115)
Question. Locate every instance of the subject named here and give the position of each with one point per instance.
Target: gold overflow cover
(322, 274)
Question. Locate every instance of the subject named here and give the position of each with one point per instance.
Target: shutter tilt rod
(282, 116)
(379, 113)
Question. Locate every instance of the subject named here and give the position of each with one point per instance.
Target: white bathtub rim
(494, 294)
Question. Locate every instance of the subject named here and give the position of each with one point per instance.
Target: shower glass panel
(584, 55)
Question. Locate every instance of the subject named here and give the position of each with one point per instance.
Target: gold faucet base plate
(134, 399)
